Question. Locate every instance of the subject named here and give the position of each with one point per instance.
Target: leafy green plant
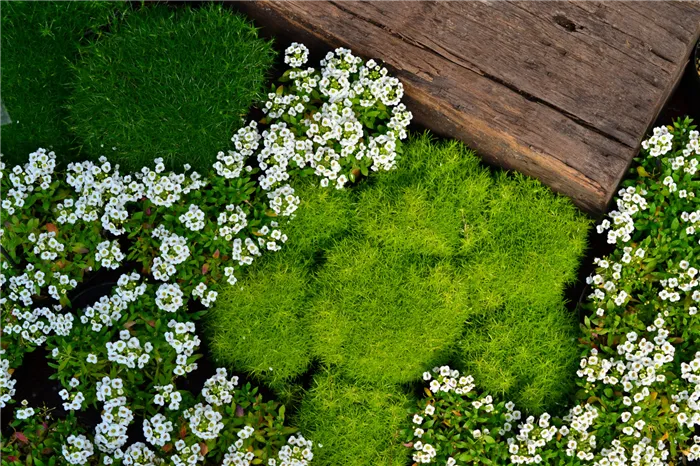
(169, 83)
(36, 439)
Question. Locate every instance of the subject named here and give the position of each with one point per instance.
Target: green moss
(259, 323)
(357, 424)
(39, 39)
(384, 317)
(527, 354)
(171, 83)
(323, 217)
(432, 205)
(440, 261)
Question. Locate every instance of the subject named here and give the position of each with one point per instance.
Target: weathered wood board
(564, 91)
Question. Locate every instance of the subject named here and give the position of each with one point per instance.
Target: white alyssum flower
(77, 449)
(218, 389)
(204, 421)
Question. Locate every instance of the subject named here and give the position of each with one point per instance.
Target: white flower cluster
(166, 189)
(128, 351)
(218, 389)
(291, 104)
(334, 133)
(138, 454)
(187, 455)
(297, 452)
(110, 434)
(183, 340)
(236, 456)
(46, 246)
(193, 218)
(169, 297)
(77, 449)
(108, 310)
(207, 297)
(167, 393)
(296, 55)
(64, 281)
(24, 413)
(38, 170)
(631, 200)
(659, 143)
(157, 430)
(109, 255)
(246, 141)
(128, 287)
(273, 159)
(283, 201)
(231, 222)
(74, 401)
(37, 324)
(686, 281)
(102, 195)
(614, 277)
(446, 380)
(7, 383)
(204, 421)
(173, 251)
(531, 438)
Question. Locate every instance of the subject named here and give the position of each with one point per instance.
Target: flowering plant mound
(172, 238)
(639, 376)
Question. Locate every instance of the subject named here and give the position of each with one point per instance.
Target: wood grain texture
(563, 91)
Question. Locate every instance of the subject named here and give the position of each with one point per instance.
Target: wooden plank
(563, 91)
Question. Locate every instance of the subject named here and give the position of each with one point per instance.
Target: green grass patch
(168, 82)
(39, 40)
(357, 424)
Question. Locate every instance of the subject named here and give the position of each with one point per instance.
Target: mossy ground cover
(168, 82)
(441, 261)
(39, 40)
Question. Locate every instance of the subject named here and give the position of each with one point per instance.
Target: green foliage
(39, 39)
(171, 83)
(639, 366)
(260, 323)
(36, 440)
(357, 424)
(524, 353)
(384, 317)
(397, 266)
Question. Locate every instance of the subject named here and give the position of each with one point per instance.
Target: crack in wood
(475, 69)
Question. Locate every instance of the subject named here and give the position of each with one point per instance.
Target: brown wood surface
(564, 91)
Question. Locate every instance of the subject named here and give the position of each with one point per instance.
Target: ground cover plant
(171, 239)
(39, 39)
(402, 273)
(170, 83)
(638, 384)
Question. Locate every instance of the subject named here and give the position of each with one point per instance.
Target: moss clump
(261, 327)
(357, 424)
(385, 317)
(39, 40)
(172, 83)
(440, 261)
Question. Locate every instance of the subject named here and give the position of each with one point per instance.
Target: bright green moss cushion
(168, 82)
